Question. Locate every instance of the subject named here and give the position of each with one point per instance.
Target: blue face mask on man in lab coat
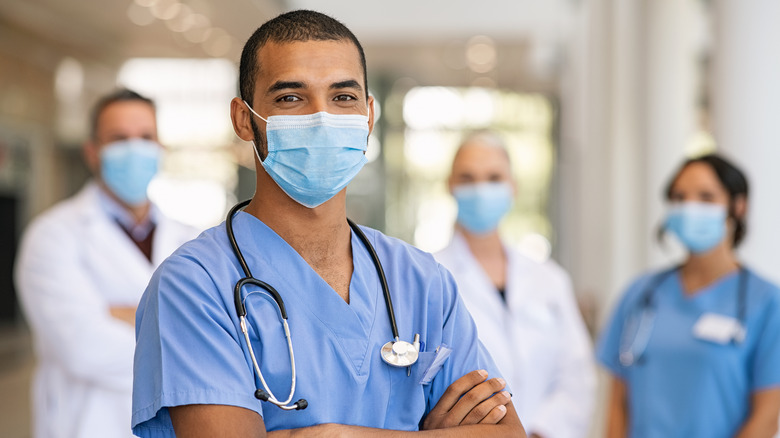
(482, 205)
(128, 166)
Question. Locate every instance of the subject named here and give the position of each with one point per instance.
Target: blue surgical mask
(699, 226)
(482, 205)
(128, 166)
(312, 157)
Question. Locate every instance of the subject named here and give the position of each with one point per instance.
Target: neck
(321, 235)
(700, 270)
(303, 227)
(481, 244)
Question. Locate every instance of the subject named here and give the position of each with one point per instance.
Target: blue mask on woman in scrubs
(482, 205)
(128, 166)
(699, 226)
(314, 156)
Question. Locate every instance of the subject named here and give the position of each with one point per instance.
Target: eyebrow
(285, 85)
(350, 83)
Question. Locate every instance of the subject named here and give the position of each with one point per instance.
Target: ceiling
(424, 40)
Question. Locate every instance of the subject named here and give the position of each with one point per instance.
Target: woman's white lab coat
(537, 339)
(74, 263)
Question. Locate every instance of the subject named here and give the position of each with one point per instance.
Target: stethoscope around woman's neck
(631, 352)
(396, 352)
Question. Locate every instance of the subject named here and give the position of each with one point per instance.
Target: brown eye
(707, 197)
(344, 98)
(288, 99)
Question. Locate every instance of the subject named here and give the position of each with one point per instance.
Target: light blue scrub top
(688, 387)
(191, 351)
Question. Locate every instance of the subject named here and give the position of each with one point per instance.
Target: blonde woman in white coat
(525, 311)
(80, 275)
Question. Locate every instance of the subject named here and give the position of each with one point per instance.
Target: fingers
(457, 389)
(470, 400)
(474, 398)
(490, 411)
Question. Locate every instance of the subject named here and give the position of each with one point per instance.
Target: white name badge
(720, 329)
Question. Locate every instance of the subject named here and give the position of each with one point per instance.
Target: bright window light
(193, 118)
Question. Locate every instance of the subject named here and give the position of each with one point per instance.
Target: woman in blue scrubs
(694, 350)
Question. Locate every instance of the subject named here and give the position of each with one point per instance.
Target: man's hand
(468, 401)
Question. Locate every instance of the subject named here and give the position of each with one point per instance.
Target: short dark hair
(119, 95)
(731, 178)
(300, 25)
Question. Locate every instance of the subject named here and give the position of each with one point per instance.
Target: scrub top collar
(302, 287)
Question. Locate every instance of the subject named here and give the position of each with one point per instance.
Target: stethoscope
(396, 352)
(632, 350)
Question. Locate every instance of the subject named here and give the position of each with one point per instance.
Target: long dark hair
(731, 178)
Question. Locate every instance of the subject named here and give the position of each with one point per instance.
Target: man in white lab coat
(81, 270)
(525, 311)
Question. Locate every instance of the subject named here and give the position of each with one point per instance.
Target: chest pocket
(408, 398)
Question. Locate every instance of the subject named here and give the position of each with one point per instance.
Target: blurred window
(193, 97)
(422, 138)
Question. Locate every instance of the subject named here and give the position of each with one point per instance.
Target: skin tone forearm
(617, 410)
(195, 421)
(124, 313)
(473, 404)
(342, 431)
(764, 409)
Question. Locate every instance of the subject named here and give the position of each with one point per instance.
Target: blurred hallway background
(599, 101)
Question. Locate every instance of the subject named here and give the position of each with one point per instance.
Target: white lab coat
(537, 339)
(74, 263)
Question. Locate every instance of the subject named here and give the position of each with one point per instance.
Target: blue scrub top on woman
(685, 386)
(191, 349)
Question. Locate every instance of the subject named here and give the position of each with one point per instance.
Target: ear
(450, 184)
(91, 153)
(371, 113)
(242, 119)
(740, 207)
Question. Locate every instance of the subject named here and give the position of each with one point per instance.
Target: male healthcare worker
(305, 105)
(81, 270)
(524, 310)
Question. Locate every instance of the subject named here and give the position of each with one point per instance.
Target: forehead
(126, 114)
(697, 175)
(477, 155)
(308, 61)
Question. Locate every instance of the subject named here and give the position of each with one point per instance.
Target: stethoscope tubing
(266, 394)
(382, 278)
(631, 355)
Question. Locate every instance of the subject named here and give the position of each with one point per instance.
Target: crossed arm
(465, 409)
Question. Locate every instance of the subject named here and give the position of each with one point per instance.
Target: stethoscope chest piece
(399, 353)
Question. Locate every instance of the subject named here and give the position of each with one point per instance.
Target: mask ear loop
(254, 145)
(253, 112)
